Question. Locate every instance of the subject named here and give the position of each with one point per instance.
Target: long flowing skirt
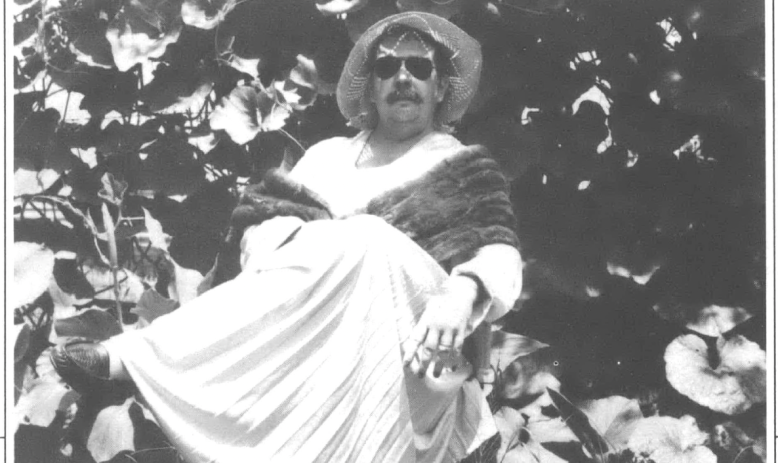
(298, 359)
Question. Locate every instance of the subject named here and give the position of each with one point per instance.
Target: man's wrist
(464, 286)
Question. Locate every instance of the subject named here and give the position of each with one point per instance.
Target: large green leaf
(101, 279)
(40, 403)
(732, 386)
(93, 324)
(151, 306)
(112, 432)
(507, 347)
(248, 110)
(665, 439)
(33, 268)
(142, 30)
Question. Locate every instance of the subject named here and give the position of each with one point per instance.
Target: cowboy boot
(82, 364)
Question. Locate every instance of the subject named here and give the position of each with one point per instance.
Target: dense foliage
(632, 131)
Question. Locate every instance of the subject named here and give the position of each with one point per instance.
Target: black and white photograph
(389, 231)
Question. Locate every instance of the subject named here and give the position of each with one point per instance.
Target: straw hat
(459, 49)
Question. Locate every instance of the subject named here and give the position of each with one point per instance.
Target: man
(296, 358)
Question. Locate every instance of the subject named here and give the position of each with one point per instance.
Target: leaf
(531, 374)
(306, 74)
(509, 424)
(101, 278)
(246, 111)
(83, 226)
(614, 418)
(732, 387)
(185, 284)
(519, 441)
(336, 7)
(157, 237)
(142, 30)
(20, 337)
(112, 190)
(33, 268)
(151, 306)
(579, 423)
(206, 14)
(507, 347)
(170, 167)
(710, 320)
(95, 324)
(112, 432)
(178, 88)
(39, 404)
(85, 28)
(664, 439)
(542, 427)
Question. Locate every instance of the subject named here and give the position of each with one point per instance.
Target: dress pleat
(298, 359)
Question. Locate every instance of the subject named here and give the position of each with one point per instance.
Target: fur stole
(451, 211)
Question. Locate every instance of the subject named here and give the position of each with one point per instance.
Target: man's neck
(399, 134)
(387, 146)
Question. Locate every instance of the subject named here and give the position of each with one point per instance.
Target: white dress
(298, 358)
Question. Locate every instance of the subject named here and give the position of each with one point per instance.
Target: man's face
(403, 97)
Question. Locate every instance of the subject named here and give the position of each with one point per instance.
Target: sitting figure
(350, 285)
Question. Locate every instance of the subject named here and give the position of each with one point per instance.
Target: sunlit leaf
(33, 268)
(113, 189)
(101, 278)
(157, 237)
(153, 305)
(112, 432)
(335, 7)
(246, 111)
(579, 423)
(185, 282)
(614, 418)
(733, 386)
(39, 404)
(206, 14)
(94, 324)
(306, 74)
(531, 374)
(142, 30)
(507, 347)
(664, 439)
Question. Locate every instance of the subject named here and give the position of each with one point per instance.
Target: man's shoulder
(328, 144)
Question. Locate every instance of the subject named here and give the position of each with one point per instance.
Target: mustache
(404, 94)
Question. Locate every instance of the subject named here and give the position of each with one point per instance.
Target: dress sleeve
(498, 270)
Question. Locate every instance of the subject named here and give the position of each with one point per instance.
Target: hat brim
(462, 50)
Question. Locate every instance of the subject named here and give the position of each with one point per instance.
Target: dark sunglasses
(387, 66)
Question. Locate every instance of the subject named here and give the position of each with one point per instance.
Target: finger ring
(444, 347)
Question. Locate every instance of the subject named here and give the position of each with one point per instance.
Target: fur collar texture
(453, 210)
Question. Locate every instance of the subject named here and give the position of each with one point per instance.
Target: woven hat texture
(461, 50)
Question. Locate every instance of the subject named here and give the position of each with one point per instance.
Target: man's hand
(443, 325)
